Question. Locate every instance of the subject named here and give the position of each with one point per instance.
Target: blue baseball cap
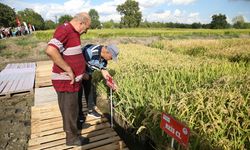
(113, 49)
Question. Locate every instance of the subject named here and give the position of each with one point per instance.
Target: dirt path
(15, 121)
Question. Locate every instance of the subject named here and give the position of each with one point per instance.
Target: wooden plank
(15, 84)
(60, 135)
(38, 129)
(21, 82)
(118, 145)
(43, 73)
(88, 146)
(10, 81)
(98, 143)
(3, 84)
(27, 85)
(62, 141)
(45, 95)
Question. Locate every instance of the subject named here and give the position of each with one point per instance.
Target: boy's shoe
(94, 114)
(77, 141)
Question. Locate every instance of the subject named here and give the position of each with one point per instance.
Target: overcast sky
(181, 11)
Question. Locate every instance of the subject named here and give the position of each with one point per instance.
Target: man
(97, 57)
(69, 67)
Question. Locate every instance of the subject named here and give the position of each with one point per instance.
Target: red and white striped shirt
(67, 41)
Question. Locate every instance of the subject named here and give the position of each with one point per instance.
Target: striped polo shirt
(67, 41)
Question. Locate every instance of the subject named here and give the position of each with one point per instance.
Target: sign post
(175, 129)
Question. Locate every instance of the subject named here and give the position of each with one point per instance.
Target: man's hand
(105, 74)
(56, 57)
(85, 76)
(71, 76)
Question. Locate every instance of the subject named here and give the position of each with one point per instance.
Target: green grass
(144, 32)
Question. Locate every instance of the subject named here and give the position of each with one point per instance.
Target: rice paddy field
(202, 82)
(200, 77)
(209, 92)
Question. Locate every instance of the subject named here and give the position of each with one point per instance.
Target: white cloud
(114, 17)
(163, 16)
(151, 3)
(175, 16)
(193, 17)
(107, 9)
(182, 2)
(177, 13)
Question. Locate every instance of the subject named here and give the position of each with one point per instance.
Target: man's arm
(105, 74)
(56, 57)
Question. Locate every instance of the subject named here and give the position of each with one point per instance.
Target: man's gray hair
(82, 17)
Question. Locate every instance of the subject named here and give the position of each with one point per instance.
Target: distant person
(69, 67)
(97, 57)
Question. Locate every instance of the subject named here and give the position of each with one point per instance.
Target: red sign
(175, 129)
(110, 83)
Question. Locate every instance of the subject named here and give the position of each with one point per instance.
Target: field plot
(209, 93)
(200, 77)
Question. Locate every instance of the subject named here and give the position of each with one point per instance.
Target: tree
(238, 22)
(65, 18)
(30, 16)
(7, 16)
(219, 22)
(130, 12)
(196, 25)
(108, 24)
(49, 24)
(95, 23)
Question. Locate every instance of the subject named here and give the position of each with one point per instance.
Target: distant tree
(238, 22)
(108, 24)
(7, 16)
(65, 18)
(219, 22)
(49, 24)
(196, 25)
(130, 12)
(95, 23)
(206, 26)
(30, 16)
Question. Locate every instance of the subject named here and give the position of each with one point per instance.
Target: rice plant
(211, 96)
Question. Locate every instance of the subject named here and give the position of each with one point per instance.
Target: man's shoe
(78, 141)
(94, 114)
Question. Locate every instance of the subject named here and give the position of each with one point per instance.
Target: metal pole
(172, 143)
(111, 108)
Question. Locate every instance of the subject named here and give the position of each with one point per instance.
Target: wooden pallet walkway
(45, 95)
(43, 73)
(17, 78)
(47, 132)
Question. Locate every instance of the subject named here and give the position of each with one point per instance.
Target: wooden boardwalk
(47, 132)
(43, 73)
(17, 78)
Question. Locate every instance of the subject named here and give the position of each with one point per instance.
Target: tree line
(131, 17)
